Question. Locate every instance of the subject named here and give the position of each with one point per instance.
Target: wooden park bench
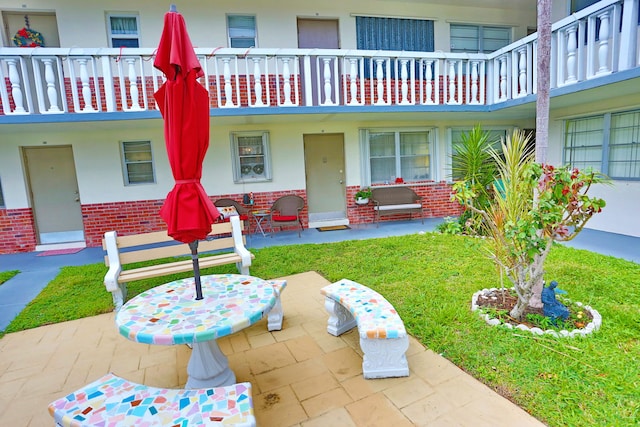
(383, 338)
(123, 250)
(395, 200)
(112, 400)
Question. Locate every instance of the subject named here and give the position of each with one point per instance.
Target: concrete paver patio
(301, 375)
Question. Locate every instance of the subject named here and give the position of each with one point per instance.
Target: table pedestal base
(208, 367)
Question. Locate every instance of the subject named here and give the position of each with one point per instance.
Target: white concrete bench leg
(119, 295)
(242, 269)
(383, 337)
(276, 315)
(384, 358)
(340, 320)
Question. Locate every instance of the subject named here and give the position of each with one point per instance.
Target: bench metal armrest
(111, 278)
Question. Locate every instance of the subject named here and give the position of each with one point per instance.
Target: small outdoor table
(259, 216)
(169, 314)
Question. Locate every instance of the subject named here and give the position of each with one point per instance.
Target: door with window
(324, 166)
(55, 198)
(321, 34)
(41, 22)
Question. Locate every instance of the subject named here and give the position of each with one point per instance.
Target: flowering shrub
(533, 205)
(563, 206)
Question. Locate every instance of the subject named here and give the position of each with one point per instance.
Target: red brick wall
(435, 199)
(125, 217)
(17, 231)
(268, 85)
(143, 216)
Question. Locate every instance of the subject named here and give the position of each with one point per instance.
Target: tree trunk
(542, 113)
(543, 82)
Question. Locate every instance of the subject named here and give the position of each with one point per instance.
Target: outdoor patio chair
(242, 211)
(286, 212)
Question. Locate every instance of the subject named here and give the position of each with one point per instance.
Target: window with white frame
(583, 142)
(393, 154)
(137, 161)
(624, 146)
(242, 31)
(478, 38)
(124, 30)
(608, 143)
(251, 158)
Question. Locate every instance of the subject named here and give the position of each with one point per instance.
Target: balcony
(599, 41)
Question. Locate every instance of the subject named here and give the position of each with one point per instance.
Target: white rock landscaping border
(591, 327)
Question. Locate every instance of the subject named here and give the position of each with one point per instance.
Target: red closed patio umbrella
(184, 105)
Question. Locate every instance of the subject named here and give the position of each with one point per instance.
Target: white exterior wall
(623, 197)
(83, 24)
(96, 150)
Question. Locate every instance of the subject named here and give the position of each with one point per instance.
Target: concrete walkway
(301, 375)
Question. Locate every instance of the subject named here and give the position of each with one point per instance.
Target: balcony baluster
(353, 81)
(474, 83)
(257, 82)
(326, 77)
(16, 89)
(603, 44)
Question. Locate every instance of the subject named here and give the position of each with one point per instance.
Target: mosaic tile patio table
(169, 314)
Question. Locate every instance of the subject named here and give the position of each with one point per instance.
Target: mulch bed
(506, 300)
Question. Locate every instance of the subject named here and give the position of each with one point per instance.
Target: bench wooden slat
(174, 250)
(176, 267)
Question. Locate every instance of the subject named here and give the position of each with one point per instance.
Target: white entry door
(325, 179)
(54, 194)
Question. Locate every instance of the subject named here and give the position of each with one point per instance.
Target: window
(478, 38)
(413, 35)
(138, 162)
(624, 145)
(123, 30)
(242, 30)
(577, 5)
(609, 143)
(2, 205)
(398, 154)
(583, 143)
(251, 161)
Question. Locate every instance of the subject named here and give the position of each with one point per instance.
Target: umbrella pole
(196, 268)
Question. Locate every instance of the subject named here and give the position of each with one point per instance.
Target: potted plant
(362, 196)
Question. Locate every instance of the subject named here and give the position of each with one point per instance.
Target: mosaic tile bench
(383, 338)
(274, 319)
(113, 401)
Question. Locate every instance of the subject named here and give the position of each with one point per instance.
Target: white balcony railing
(599, 40)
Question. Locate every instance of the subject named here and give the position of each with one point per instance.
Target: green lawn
(6, 275)
(430, 279)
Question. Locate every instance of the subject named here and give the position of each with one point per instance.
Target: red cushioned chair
(243, 212)
(286, 212)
